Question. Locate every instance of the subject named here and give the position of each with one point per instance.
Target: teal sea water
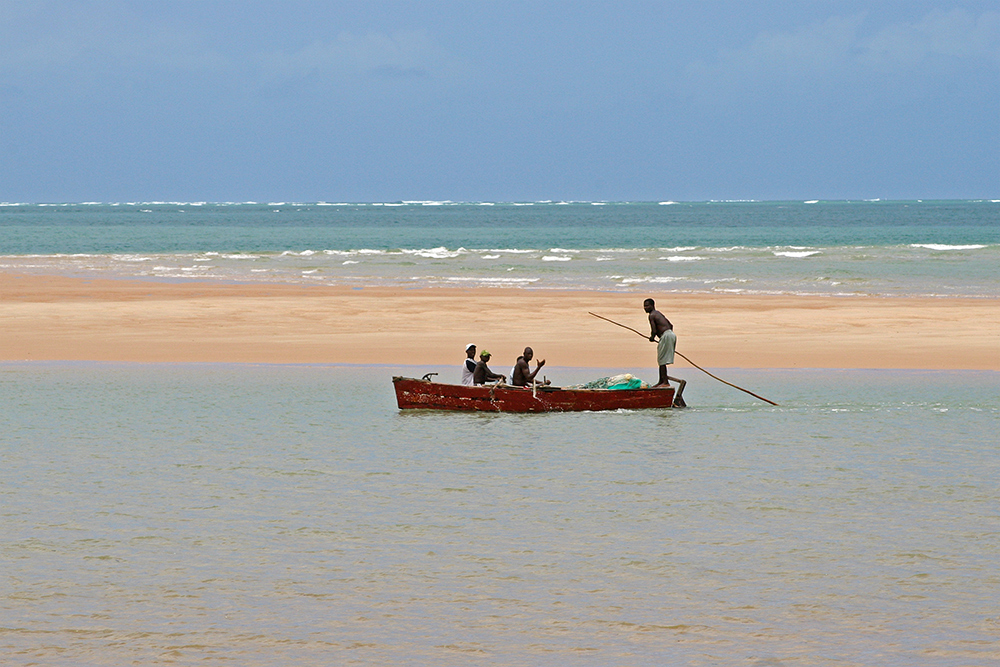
(289, 515)
(949, 248)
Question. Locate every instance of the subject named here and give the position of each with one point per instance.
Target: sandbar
(44, 317)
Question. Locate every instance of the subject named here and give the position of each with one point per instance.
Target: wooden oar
(686, 359)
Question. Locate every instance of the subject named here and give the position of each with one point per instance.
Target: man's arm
(531, 376)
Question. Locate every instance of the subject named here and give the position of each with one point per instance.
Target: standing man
(660, 327)
(522, 375)
(469, 365)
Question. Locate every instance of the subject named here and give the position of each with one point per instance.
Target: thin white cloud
(839, 47)
(81, 46)
(954, 34)
(825, 46)
(397, 55)
(76, 50)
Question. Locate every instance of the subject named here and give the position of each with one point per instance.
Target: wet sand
(61, 318)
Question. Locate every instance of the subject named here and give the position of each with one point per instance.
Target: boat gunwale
(545, 388)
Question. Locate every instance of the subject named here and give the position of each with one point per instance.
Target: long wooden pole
(686, 359)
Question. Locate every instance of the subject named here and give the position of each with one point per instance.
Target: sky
(498, 101)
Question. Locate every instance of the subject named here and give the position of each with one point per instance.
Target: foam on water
(878, 248)
(435, 253)
(942, 246)
(796, 253)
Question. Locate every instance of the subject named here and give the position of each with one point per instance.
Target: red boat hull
(426, 395)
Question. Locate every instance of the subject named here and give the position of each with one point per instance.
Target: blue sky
(499, 101)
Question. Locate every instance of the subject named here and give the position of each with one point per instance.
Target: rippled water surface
(942, 248)
(280, 515)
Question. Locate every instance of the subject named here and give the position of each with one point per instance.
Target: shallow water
(264, 515)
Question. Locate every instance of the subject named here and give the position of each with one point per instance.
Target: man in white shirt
(469, 366)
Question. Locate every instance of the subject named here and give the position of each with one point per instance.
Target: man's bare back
(658, 324)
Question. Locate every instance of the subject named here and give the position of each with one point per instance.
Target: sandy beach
(61, 318)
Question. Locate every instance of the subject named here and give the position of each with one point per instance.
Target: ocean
(949, 248)
(255, 514)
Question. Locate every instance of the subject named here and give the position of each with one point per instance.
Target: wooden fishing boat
(428, 395)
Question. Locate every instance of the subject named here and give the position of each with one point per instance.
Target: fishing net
(623, 381)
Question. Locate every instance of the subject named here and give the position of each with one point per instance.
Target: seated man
(469, 365)
(522, 375)
(483, 374)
